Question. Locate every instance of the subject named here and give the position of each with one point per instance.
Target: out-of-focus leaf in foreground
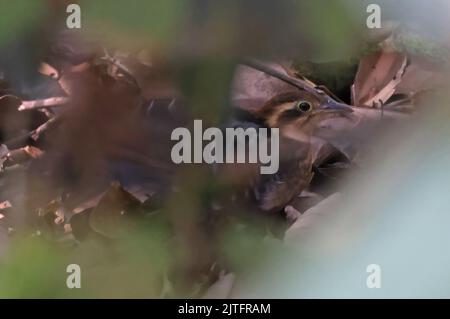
(17, 17)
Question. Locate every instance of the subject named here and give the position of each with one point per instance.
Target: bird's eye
(303, 106)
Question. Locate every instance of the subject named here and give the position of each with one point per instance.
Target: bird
(296, 114)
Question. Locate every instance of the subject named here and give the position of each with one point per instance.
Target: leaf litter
(93, 178)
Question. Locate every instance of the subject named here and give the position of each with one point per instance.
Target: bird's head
(298, 113)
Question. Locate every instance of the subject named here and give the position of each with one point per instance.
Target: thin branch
(34, 134)
(44, 127)
(45, 103)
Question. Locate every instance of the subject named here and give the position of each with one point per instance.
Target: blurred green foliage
(134, 19)
(18, 17)
(33, 268)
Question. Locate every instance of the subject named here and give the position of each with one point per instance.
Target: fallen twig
(45, 103)
(35, 134)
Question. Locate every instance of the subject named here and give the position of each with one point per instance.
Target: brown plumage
(296, 114)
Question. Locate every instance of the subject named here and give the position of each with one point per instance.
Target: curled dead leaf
(47, 69)
(378, 76)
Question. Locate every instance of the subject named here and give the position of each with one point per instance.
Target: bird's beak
(333, 106)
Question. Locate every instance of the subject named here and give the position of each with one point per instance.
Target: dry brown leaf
(79, 225)
(5, 205)
(22, 155)
(378, 76)
(252, 88)
(115, 213)
(222, 288)
(88, 204)
(420, 75)
(312, 218)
